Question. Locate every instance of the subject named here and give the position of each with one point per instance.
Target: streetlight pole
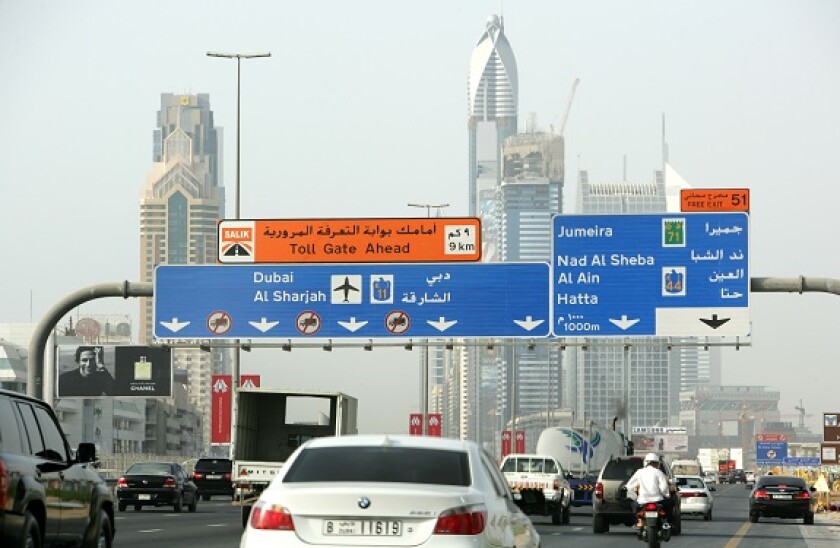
(424, 381)
(234, 377)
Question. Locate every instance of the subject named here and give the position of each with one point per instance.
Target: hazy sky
(362, 109)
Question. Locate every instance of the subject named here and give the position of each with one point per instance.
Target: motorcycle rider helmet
(651, 457)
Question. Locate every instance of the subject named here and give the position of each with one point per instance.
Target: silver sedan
(695, 496)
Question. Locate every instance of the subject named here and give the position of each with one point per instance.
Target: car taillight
(650, 507)
(685, 494)
(556, 485)
(271, 516)
(465, 520)
(227, 476)
(197, 475)
(760, 494)
(170, 482)
(804, 495)
(121, 482)
(4, 484)
(599, 490)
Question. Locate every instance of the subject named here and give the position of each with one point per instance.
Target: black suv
(610, 504)
(212, 476)
(48, 496)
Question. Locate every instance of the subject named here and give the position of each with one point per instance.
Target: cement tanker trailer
(583, 451)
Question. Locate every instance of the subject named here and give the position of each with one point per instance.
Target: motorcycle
(652, 524)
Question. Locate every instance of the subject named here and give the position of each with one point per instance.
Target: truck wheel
(31, 532)
(246, 513)
(600, 525)
(205, 497)
(566, 518)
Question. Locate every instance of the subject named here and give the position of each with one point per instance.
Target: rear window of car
(214, 465)
(150, 468)
(691, 483)
(621, 469)
(380, 464)
(782, 480)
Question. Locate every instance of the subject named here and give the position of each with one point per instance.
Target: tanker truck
(583, 451)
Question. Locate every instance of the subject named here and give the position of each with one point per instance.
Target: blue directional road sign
(352, 301)
(677, 274)
(771, 453)
(802, 461)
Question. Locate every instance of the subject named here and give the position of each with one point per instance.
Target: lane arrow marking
(714, 322)
(623, 322)
(442, 324)
(528, 323)
(263, 325)
(352, 325)
(174, 325)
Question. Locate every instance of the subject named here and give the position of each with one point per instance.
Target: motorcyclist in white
(649, 484)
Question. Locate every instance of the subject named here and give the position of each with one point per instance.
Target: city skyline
(353, 116)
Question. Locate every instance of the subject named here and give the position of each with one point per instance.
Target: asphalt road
(217, 524)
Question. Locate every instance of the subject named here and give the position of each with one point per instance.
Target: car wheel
(194, 504)
(809, 519)
(178, 504)
(205, 497)
(31, 532)
(104, 536)
(122, 506)
(246, 513)
(567, 516)
(707, 516)
(600, 525)
(753, 518)
(676, 526)
(137, 507)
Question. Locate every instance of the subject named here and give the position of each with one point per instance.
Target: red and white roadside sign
(415, 424)
(519, 442)
(435, 427)
(506, 443)
(220, 405)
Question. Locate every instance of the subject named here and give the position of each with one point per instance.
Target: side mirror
(86, 452)
(712, 488)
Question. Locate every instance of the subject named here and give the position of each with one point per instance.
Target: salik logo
(236, 241)
(248, 383)
(220, 386)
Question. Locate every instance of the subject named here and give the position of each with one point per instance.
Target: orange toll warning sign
(715, 199)
(397, 240)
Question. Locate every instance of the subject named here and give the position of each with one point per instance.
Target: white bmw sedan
(695, 496)
(372, 490)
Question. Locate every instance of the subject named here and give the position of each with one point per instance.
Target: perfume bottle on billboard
(142, 370)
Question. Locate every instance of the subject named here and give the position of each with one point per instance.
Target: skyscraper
(180, 205)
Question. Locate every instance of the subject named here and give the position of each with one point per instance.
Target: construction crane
(802, 415)
(568, 108)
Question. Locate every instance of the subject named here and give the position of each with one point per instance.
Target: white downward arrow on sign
(624, 323)
(174, 325)
(352, 325)
(528, 323)
(263, 325)
(442, 324)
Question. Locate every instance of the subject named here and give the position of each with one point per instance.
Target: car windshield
(792, 481)
(381, 464)
(621, 469)
(151, 468)
(218, 465)
(690, 483)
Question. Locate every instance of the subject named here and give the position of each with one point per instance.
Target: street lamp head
(237, 55)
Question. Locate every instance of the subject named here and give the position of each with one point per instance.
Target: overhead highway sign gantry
(675, 274)
(439, 300)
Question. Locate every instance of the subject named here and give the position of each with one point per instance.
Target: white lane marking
(150, 530)
(217, 524)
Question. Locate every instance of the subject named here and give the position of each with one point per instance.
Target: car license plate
(651, 514)
(144, 497)
(783, 497)
(367, 528)
(214, 476)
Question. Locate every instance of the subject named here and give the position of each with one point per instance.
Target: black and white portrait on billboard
(84, 371)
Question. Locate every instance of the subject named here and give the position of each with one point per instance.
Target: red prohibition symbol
(219, 322)
(397, 322)
(308, 322)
